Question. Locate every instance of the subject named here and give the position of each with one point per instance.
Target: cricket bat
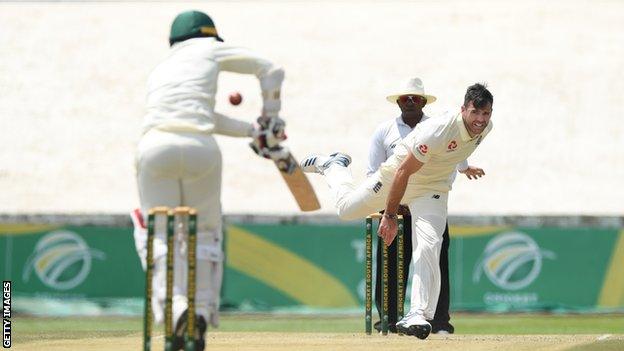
(298, 183)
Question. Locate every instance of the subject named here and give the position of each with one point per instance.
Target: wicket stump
(171, 215)
(384, 278)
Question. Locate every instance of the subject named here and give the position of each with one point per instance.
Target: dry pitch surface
(276, 332)
(347, 341)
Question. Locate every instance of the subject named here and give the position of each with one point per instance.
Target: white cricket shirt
(181, 89)
(386, 137)
(440, 143)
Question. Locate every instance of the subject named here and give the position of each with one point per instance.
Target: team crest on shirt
(451, 146)
(423, 149)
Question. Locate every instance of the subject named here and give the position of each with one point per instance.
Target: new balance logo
(377, 187)
(436, 196)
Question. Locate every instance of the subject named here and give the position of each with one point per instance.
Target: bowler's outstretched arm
(388, 226)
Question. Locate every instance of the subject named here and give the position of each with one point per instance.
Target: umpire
(411, 100)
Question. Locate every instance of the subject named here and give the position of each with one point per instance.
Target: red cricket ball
(235, 98)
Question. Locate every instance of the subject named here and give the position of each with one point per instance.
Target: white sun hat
(414, 86)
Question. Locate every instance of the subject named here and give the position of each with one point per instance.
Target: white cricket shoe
(318, 163)
(415, 325)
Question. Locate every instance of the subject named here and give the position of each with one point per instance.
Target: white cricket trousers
(429, 214)
(184, 169)
(429, 211)
(355, 202)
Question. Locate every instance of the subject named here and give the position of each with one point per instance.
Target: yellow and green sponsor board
(321, 266)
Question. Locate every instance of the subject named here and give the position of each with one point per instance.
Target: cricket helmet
(192, 24)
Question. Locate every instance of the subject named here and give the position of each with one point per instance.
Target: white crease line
(603, 337)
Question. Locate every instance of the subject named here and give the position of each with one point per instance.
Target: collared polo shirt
(440, 143)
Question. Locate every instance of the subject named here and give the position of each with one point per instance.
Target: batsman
(178, 161)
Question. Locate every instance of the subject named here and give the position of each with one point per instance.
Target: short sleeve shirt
(386, 137)
(440, 143)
